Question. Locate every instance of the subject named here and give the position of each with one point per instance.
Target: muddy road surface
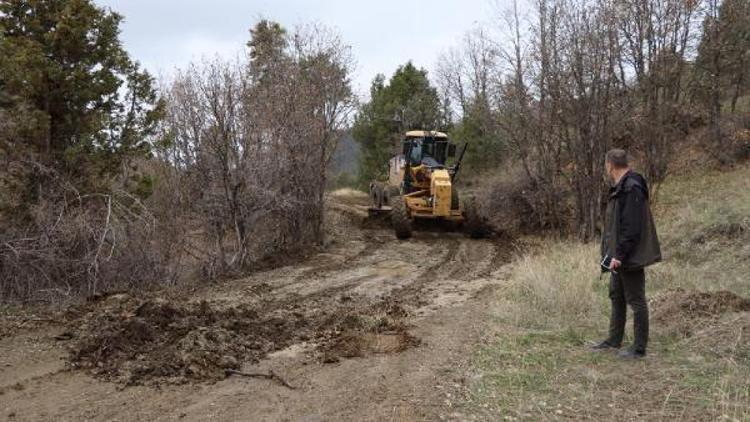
(371, 329)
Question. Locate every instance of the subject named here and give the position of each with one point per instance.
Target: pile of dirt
(360, 335)
(725, 232)
(686, 312)
(150, 341)
(143, 341)
(359, 344)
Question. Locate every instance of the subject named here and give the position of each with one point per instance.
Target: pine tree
(407, 102)
(84, 105)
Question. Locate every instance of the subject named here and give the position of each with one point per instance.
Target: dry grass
(348, 193)
(557, 287)
(534, 363)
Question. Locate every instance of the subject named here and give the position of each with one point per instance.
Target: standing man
(629, 238)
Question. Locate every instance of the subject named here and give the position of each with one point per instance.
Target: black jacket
(629, 232)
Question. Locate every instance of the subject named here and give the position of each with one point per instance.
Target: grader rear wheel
(400, 218)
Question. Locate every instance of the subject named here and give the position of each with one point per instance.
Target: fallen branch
(270, 376)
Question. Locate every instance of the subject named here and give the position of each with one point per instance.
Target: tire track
(474, 260)
(412, 293)
(371, 246)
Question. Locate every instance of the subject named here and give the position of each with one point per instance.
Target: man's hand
(615, 264)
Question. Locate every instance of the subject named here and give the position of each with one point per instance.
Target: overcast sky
(167, 34)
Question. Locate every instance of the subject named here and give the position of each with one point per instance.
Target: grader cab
(420, 184)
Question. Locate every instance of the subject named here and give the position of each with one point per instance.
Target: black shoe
(632, 354)
(603, 346)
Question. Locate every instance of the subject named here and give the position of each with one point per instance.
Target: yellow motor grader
(420, 185)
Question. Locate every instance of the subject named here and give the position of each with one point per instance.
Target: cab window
(416, 152)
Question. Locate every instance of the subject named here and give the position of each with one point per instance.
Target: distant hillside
(344, 166)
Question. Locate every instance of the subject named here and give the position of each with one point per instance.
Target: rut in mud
(355, 300)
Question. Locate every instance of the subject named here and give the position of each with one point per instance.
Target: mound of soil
(360, 335)
(723, 232)
(139, 341)
(358, 344)
(684, 312)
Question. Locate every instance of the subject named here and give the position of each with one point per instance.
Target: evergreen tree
(724, 51)
(406, 102)
(478, 129)
(723, 55)
(735, 18)
(84, 105)
(268, 43)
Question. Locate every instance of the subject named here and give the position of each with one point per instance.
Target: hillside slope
(534, 363)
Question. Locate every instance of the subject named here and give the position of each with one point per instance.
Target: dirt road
(371, 329)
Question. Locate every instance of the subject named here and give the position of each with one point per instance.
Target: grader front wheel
(400, 218)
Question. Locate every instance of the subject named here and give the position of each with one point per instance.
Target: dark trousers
(628, 288)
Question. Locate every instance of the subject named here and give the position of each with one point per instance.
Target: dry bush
(251, 141)
(579, 79)
(513, 204)
(238, 176)
(67, 243)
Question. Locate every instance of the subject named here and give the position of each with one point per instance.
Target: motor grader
(421, 186)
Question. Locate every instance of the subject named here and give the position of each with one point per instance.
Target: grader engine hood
(441, 190)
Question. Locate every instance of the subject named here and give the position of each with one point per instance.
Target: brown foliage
(583, 78)
(66, 243)
(251, 142)
(239, 175)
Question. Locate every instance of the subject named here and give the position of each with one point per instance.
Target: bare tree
(582, 77)
(251, 142)
(658, 35)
